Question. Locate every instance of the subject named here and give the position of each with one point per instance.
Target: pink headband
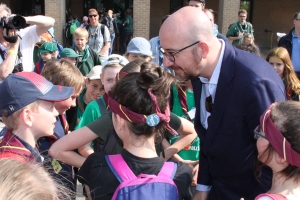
(151, 120)
(277, 140)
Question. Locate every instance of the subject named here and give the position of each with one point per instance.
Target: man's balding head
(189, 44)
(187, 24)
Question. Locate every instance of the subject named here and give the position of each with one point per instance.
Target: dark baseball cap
(23, 88)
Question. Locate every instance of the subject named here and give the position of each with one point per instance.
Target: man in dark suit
(232, 89)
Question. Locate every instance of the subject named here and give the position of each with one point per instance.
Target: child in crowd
(48, 51)
(27, 109)
(89, 58)
(93, 90)
(69, 54)
(280, 60)
(28, 181)
(102, 129)
(132, 100)
(138, 47)
(63, 73)
(45, 37)
(111, 67)
(182, 103)
(278, 145)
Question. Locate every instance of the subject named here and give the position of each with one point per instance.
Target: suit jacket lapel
(224, 88)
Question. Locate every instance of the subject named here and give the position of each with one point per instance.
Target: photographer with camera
(237, 30)
(16, 37)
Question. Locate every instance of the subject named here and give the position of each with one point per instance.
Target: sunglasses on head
(90, 16)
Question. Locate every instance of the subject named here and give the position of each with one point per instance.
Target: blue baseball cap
(139, 45)
(23, 88)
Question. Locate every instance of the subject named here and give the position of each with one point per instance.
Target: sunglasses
(90, 16)
(209, 104)
(257, 133)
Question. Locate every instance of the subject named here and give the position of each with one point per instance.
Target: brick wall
(141, 18)
(159, 9)
(56, 9)
(227, 14)
(276, 16)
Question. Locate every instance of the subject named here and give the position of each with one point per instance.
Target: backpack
(273, 196)
(73, 27)
(59, 47)
(143, 186)
(67, 33)
(111, 140)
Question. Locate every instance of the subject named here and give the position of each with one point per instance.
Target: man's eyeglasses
(170, 55)
(209, 104)
(257, 133)
(242, 16)
(90, 16)
(297, 19)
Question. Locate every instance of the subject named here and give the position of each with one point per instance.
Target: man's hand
(240, 35)
(195, 175)
(200, 195)
(10, 33)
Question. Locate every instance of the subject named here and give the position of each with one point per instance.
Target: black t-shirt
(102, 182)
(103, 124)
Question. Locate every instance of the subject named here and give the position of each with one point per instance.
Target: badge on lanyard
(56, 166)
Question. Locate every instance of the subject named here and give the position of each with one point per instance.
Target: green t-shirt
(234, 30)
(190, 152)
(91, 113)
(86, 67)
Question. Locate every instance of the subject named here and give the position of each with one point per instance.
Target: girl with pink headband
(140, 115)
(278, 145)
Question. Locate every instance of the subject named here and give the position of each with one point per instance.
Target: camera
(14, 22)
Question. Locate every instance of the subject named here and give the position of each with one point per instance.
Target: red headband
(151, 120)
(277, 140)
(120, 75)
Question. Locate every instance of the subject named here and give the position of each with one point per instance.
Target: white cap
(95, 72)
(121, 60)
(280, 34)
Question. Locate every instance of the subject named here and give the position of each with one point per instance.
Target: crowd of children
(75, 118)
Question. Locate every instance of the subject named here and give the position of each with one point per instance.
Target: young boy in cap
(69, 54)
(61, 72)
(93, 90)
(27, 109)
(48, 51)
(138, 47)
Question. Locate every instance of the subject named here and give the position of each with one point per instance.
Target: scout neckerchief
(183, 100)
(85, 55)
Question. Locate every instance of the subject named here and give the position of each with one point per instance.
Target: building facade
(267, 17)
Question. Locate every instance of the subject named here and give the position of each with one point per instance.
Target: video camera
(14, 22)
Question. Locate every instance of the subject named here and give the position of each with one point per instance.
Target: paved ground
(79, 195)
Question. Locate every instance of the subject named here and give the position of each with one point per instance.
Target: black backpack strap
(110, 143)
(2, 54)
(101, 105)
(93, 54)
(102, 31)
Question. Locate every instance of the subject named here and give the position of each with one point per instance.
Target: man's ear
(26, 117)
(205, 49)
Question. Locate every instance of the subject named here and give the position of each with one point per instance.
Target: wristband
(12, 52)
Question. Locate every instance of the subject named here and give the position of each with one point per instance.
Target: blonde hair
(28, 181)
(93, 10)
(4, 7)
(81, 32)
(12, 122)
(289, 75)
(64, 73)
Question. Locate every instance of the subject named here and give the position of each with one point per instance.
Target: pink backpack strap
(119, 167)
(272, 195)
(168, 170)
